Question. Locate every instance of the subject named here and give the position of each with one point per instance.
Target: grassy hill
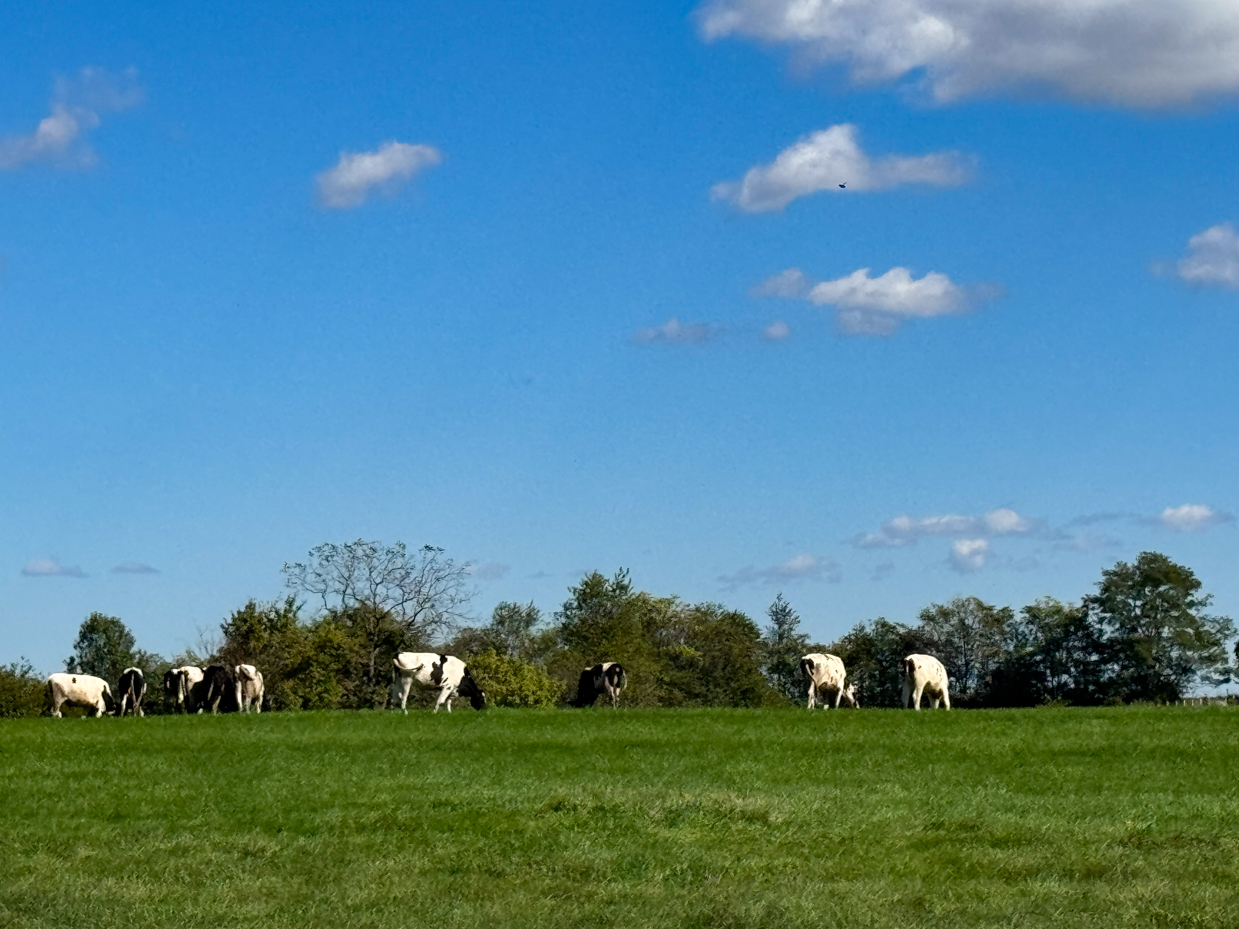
(713, 818)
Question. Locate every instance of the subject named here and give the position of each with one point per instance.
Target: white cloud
(802, 567)
(824, 160)
(488, 570)
(866, 305)
(1212, 258)
(1136, 53)
(134, 567)
(1192, 517)
(968, 555)
(674, 331)
(77, 107)
(789, 284)
(50, 567)
(777, 331)
(906, 530)
(358, 174)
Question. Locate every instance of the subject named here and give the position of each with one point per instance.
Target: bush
(512, 682)
(22, 693)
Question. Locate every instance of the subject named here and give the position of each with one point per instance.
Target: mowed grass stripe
(1105, 817)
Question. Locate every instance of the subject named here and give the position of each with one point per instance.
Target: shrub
(512, 682)
(21, 691)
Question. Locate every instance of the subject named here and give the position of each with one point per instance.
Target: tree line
(1144, 634)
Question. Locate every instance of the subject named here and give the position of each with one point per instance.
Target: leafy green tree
(712, 657)
(104, 648)
(21, 691)
(510, 681)
(1158, 638)
(269, 636)
(512, 631)
(783, 645)
(1052, 655)
(969, 637)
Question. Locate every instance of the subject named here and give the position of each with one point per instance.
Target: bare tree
(424, 592)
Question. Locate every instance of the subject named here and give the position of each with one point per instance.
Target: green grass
(1065, 818)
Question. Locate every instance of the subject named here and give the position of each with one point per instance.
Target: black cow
(130, 691)
(608, 678)
(216, 690)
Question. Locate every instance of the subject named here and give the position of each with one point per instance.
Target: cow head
(469, 688)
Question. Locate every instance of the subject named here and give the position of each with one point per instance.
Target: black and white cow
(445, 673)
(249, 687)
(180, 685)
(82, 689)
(607, 679)
(130, 691)
(924, 674)
(217, 690)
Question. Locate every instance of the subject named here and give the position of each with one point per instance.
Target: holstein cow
(826, 675)
(608, 678)
(82, 689)
(181, 685)
(218, 687)
(131, 690)
(445, 673)
(249, 687)
(925, 674)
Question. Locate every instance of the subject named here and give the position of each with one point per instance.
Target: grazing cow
(249, 687)
(131, 689)
(82, 689)
(925, 674)
(606, 679)
(445, 673)
(181, 686)
(826, 675)
(216, 687)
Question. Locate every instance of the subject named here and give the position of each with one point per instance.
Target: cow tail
(806, 667)
(909, 667)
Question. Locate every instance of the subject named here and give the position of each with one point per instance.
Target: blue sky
(490, 276)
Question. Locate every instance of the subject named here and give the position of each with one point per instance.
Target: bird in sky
(843, 186)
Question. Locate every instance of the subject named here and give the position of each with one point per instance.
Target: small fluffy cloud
(50, 567)
(359, 174)
(676, 332)
(790, 285)
(1134, 53)
(867, 305)
(777, 331)
(968, 555)
(802, 567)
(832, 157)
(134, 567)
(1212, 258)
(906, 530)
(489, 570)
(1192, 517)
(78, 106)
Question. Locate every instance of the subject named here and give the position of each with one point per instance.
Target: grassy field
(1057, 817)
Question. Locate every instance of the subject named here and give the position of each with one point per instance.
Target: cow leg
(812, 695)
(933, 703)
(443, 698)
(916, 698)
(838, 696)
(56, 705)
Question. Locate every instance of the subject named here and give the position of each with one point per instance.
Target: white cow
(925, 674)
(445, 673)
(82, 689)
(249, 687)
(826, 675)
